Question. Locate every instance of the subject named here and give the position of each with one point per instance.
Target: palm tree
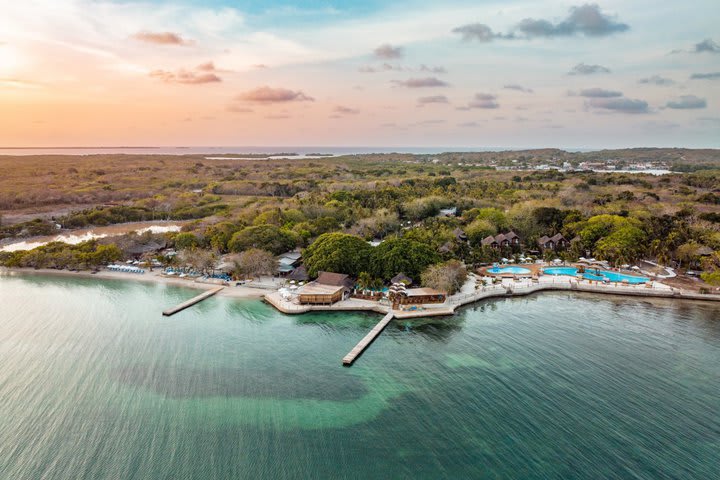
(364, 281)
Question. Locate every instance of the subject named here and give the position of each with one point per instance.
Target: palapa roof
(447, 247)
(146, 248)
(510, 235)
(459, 234)
(401, 278)
(704, 251)
(543, 240)
(489, 240)
(334, 279)
(299, 274)
(558, 237)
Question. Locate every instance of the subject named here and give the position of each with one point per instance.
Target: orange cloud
(186, 77)
(161, 38)
(268, 95)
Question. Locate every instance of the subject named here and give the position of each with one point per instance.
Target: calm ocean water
(96, 384)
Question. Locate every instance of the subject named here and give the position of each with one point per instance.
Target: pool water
(517, 270)
(596, 274)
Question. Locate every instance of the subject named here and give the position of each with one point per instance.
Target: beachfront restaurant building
(326, 290)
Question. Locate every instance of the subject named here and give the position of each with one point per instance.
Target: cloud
(598, 93)
(340, 110)
(269, 95)
(425, 68)
(161, 38)
(483, 101)
(705, 76)
(187, 77)
(711, 120)
(468, 124)
(586, 20)
(421, 82)
(277, 117)
(388, 52)
(656, 80)
(517, 87)
(687, 102)
(706, 46)
(478, 31)
(620, 105)
(432, 99)
(206, 67)
(239, 109)
(584, 69)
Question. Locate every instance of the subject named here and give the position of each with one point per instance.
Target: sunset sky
(367, 73)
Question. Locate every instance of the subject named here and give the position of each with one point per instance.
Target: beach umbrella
(635, 267)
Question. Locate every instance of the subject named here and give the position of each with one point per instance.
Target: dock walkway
(191, 302)
(367, 340)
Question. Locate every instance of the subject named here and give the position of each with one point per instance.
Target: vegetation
(331, 207)
(446, 277)
(85, 255)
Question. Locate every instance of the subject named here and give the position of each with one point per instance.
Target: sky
(483, 73)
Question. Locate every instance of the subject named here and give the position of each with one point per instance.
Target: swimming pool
(592, 274)
(514, 270)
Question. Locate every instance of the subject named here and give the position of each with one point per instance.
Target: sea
(96, 384)
(298, 151)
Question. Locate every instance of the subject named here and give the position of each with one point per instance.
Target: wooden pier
(191, 302)
(367, 340)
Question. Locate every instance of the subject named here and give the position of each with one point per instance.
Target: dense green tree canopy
(266, 237)
(337, 252)
(401, 255)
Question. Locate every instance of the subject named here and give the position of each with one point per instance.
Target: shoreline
(354, 305)
(241, 291)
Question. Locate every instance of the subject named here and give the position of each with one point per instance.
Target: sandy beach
(240, 291)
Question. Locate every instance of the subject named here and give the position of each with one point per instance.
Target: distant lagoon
(83, 235)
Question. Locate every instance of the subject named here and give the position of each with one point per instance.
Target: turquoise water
(516, 270)
(602, 274)
(96, 384)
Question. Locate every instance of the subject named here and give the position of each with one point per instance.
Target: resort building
(556, 242)
(501, 240)
(460, 235)
(326, 290)
(288, 262)
(421, 296)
